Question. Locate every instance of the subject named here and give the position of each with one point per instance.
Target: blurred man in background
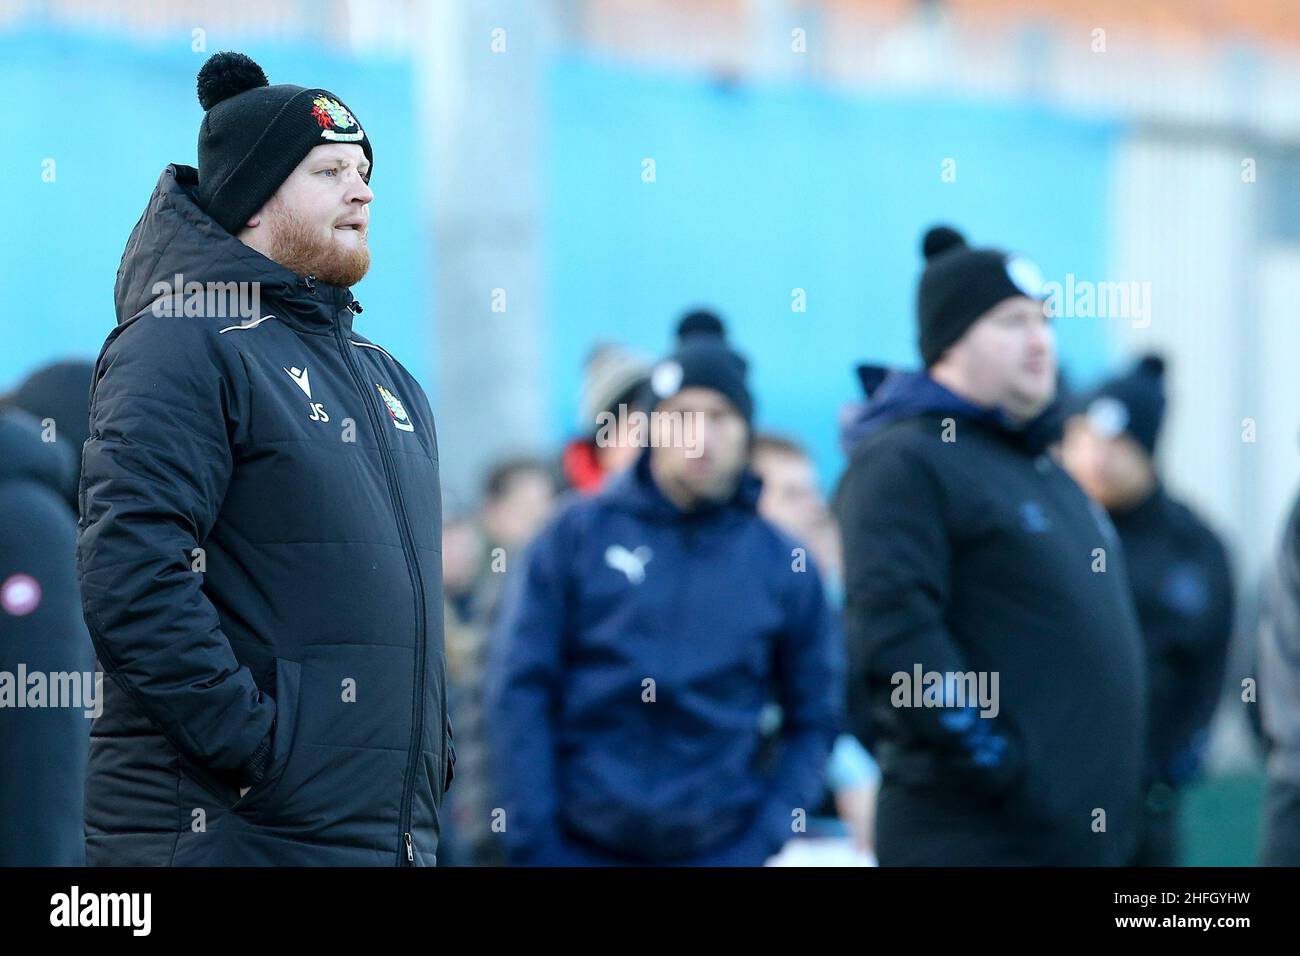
(42, 632)
(43, 749)
(464, 825)
(967, 559)
(259, 554)
(793, 502)
(479, 552)
(1179, 578)
(518, 499)
(612, 376)
(638, 648)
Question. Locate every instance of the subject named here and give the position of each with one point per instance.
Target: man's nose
(703, 430)
(1041, 338)
(361, 191)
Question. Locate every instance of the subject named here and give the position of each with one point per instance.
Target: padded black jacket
(260, 569)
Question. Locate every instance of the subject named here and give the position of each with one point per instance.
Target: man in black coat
(260, 514)
(48, 690)
(1180, 581)
(988, 595)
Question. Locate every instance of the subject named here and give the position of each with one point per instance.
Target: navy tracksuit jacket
(635, 651)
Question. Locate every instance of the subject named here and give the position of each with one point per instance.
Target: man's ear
(253, 223)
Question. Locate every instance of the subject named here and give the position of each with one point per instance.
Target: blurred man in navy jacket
(639, 646)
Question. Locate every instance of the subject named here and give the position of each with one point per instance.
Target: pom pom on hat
(939, 240)
(1152, 365)
(226, 75)
(700, 322)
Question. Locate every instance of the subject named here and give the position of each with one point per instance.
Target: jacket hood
(635, 490)
(894, 395)
(176, 237)
(25, 456)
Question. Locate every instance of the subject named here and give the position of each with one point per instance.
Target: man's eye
(330, 172)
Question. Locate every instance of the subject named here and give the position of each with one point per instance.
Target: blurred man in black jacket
(1181, 582)
(1004, 664)
(42, 638)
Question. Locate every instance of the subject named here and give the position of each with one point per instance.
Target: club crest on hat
(666, 379)
(336, 122)
(1109, 416)
(395, 409)
(1026, 276)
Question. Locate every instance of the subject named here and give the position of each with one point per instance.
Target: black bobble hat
(960, 284)
(253, 135)
(1133, 403)
(703, 359)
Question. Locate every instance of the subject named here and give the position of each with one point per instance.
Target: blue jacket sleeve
(155, 469)
(810, 677)
(524, 674)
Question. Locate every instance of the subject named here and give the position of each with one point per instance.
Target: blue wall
(113, 113)
(758, 191)
(763, 190)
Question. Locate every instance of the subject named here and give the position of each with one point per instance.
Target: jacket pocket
(260, 796)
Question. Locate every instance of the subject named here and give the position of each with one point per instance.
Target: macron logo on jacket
(299, 375)
(631, 563)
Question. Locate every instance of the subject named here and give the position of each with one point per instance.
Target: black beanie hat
(1133, 403)
(960, 284)
(703, 360)
(254, 135)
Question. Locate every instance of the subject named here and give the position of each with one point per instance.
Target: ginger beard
(301, 248)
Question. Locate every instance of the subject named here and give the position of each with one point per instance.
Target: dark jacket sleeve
(809, 671)
(43, 749)
(524, 683)
(164, 408)
(1203, 654)
(898, 550)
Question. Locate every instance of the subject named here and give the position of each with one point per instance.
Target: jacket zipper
(406, 851)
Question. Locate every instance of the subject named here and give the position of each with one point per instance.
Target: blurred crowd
(664, 645)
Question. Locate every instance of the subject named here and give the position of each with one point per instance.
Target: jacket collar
(637, 491)
(897, 395)
(1148, 511)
